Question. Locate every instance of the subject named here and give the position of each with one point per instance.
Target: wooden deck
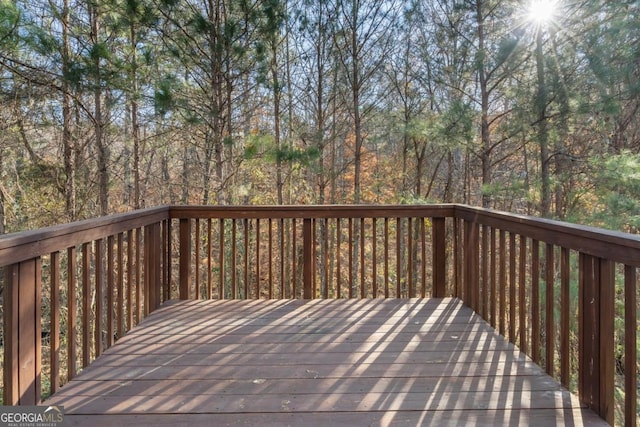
(316, 362)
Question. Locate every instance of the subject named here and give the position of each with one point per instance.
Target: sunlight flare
(541, 12)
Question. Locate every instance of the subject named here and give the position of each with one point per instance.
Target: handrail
(528, 277)
(105, 272)
(531, 278)
(17, 247)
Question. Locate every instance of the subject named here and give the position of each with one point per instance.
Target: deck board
(320, 362)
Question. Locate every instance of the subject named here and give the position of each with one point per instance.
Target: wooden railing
(95, 279)
(565, 294)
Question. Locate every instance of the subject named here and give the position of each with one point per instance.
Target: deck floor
(321, 362)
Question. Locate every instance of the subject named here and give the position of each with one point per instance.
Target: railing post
(439, 257)
(307, 256)
(185, 258)
(471, 264)
(22, 347)
(596, 314)
(152, 262)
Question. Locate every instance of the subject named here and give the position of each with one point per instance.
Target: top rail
(17, 247)
(313, 211)
(613, 245)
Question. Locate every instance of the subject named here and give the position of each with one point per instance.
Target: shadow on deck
(317, 362)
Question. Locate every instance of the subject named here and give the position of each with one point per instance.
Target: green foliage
(618, 191)
(9, 21)
(163, 95)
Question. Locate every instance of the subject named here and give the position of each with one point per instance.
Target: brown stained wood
(457, 259)
(167, 252)
(185, 257)
(512, 288)
(502, 283)
(157, 264)
(54, 336)
(327, 278)
(472, 277)
(374, 258)
(493, 277)
(484, 272)
(606, 299)
(98, 319)
(21, 246)
(597, 242)
(314, 211)
(338, 258)
(363, 286)
(72, 331)
(281, 231)
(410, 257)
(535, 301)
(26, 277)
(350, 252)
(522, 296)
(423, 262)
(550, 331)
(86, 305)
(209, 259)
(294, 257)
(630, 349)
(196, 262)
(221, 264)
(338, 374)
(147, 280)
(588, 324)
(386, 258)
(130, 284)
(257, 287)
(245, 256)
(313, 264)
(234, 253)
(270, 253)
(120, 323)
(138, 276)
(399, 235)
(307, 256)
(11, 316)
(477, 417)
(111, 293)
(565, 313)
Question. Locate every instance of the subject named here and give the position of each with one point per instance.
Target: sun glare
(541, 12)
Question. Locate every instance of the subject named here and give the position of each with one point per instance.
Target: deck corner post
(596, 334)
(22, 347)
(185, 258)
(152, 267)
(439, 258)
(307, 249)
(471, 267)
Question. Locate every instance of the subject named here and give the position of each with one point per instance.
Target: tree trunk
(67, 138)
(541, 104)
(135, 126)
(485, 134)
(101, 146)
(2, 196)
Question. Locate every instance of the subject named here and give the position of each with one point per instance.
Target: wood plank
(306, 386)
(483, 417)
(322, 402)
(327, 359)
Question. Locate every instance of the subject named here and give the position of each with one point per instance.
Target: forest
(529, 106)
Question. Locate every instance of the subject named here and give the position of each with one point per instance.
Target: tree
(363, 42)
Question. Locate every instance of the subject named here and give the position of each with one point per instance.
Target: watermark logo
(31, 416)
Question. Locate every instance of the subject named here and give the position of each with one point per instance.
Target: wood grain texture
(318, 362)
